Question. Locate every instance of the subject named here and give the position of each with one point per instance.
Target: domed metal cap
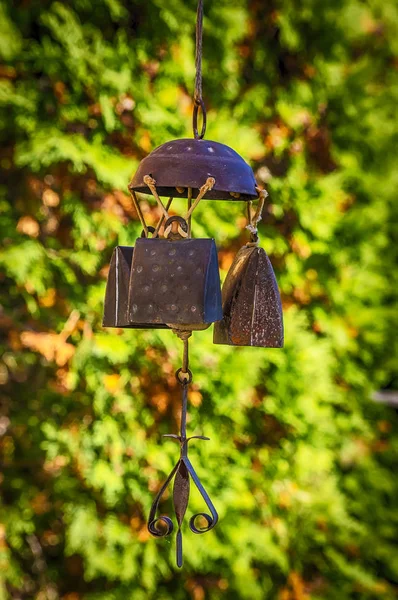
(188, 163)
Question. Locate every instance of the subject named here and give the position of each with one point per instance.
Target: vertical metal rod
(185, 366)
(183, 427)
(185, 357)
(179, 558)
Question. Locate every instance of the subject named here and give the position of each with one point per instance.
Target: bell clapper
(183, 470)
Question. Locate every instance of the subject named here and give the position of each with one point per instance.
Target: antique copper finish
(251, 303)
(187, 163)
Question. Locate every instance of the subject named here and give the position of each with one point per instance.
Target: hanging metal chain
(182, 473)
(198, 98)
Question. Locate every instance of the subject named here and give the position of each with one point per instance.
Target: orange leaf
(48, 299)
(112, 383)
(50, 345)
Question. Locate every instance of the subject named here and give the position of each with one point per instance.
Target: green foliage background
(301, 463)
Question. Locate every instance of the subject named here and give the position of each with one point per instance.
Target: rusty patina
(175, 282)
(252, 306)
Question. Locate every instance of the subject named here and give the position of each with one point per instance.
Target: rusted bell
(251, 303)
(117, 291)
(175, 282)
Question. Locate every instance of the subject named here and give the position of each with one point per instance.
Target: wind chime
(171, 281)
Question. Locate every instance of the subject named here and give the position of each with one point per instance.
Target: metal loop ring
(182, 226)
(157, 532)
(195, 529)
(150, 230)
(201, 104)
(186, 380)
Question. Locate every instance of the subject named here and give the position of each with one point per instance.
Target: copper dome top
(188, 163)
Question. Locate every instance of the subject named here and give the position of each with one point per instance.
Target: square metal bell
(175, 282)
(117, 291)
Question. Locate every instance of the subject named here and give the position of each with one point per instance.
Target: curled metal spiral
(182, 472)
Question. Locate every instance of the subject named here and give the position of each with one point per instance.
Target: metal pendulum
(182, 471)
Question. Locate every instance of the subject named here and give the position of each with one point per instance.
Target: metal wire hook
(199, 104)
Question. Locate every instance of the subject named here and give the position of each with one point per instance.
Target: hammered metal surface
(188, 163)
(117, 292)
(251, 303)
(174, 282)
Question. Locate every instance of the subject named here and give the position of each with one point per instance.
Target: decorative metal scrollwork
(182, 472)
